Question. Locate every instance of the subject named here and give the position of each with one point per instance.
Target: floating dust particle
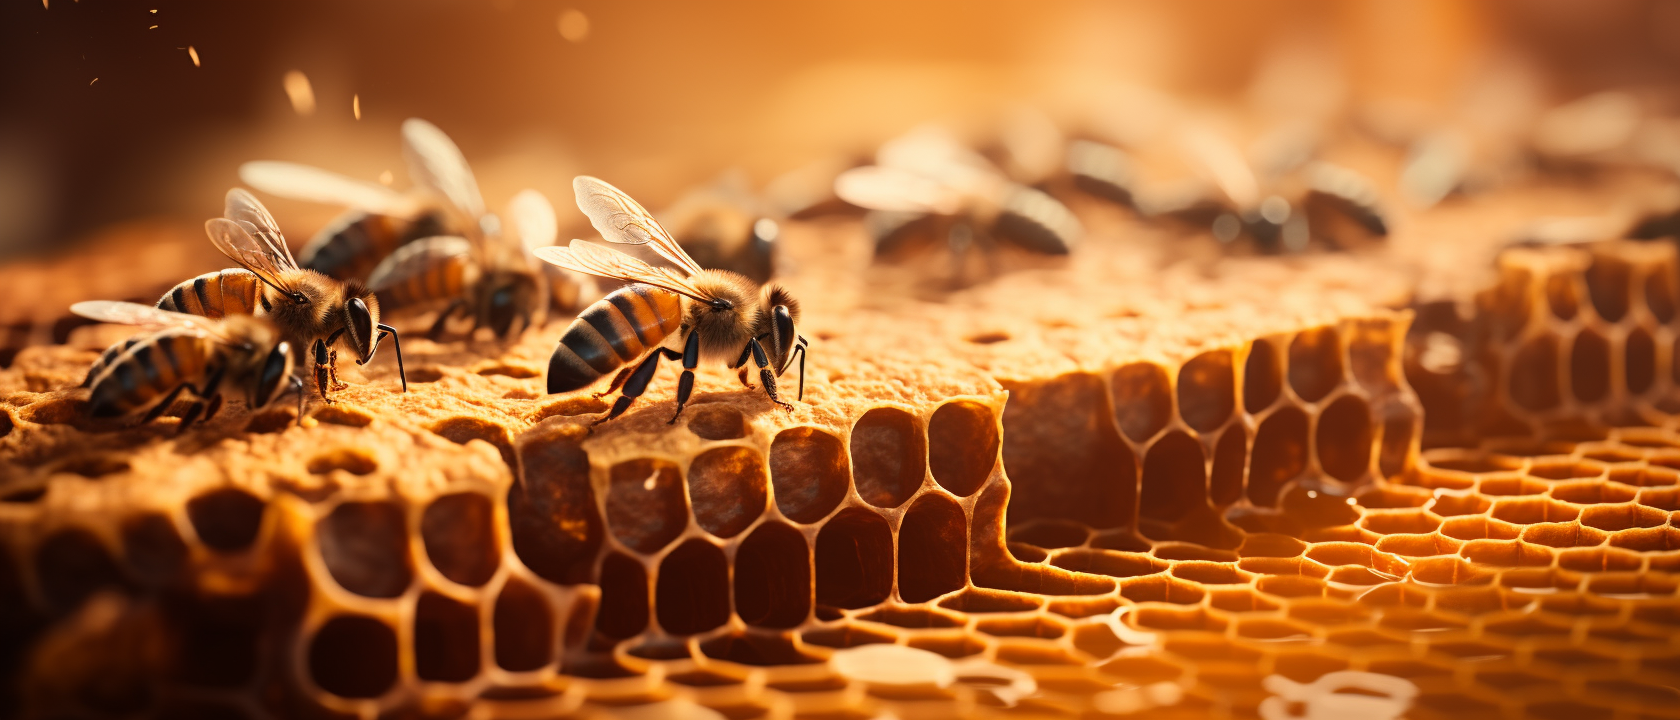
(574, 25)
(356, 106)
(299, 92)
(154, 27)
(91, 82)
(154, 11)
(385, 178)
(193, 53)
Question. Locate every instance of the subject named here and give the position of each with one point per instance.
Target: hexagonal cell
(1270, 545)
(1160, 588)
(983, 600)
(1036, 627)
(1622, 517)
(755, 649)
(1315, 363)
(1566, 469)
(1280, 454)
(1649, 476)
(152, 547)
(1508, 485)
(1208, 573)
(846, 636)
(919, 617)
(727, 489)
(717, 422)
(1505, 553)
(951, 645)
(1142, 401)
(1447, 504)
(691, 593)
(459, 533)
(462, 430)
(1589, 366)
(365, 547)
(932, 549)
(1647, 539)
(1418, 546)
(1065, 428)
(1184, 617)
(1097, 641)
(227, 520)
(71, 565)
(1538, 579)
(1534, 378)
(854, 560)
(1262, 377)
(1109, 562)
(1083, 607)
(1598, 560)
(445, 639)
(350, 460)
(1207, 390)
(808, 468)
(1240, 600)
(962, 446)
(646, 508)
(624, 597)
(1593, 493)
(354, 656)
(1392, 522)
(1345, 439)
(1639, 358)
(773, 577)
(523, 627)
(1174, 478)
(1476, 527)
(1530, 510)
(557, 531)
(889, 456)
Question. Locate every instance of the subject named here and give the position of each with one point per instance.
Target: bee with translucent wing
(310, 309)
(186, 353)
(717, 314)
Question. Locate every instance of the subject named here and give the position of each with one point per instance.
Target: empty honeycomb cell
(1562, 296)
(1262, 377)
(1323, 507)
(365, 547)
(1207, 393)
(717, 422)
(445, 639)
(921, 617)
(1598, 559)
(557, 531)
(1051, 534)
(1509, 486)
(1315, 363)
(350, 460)
(1271, 546)
(1534, 374)
(1270, 629)
(1639, 357)
(1208, 573)
(1239, 600)
(1097, 641)
(1622, 517)
(889, 456)
(459, 533)
(847, 636)
(152, 547)
(1530, 510)
(1612, 454)
(354, 656)
(691, 594)
(1408, 668)
(1037, 626)
(1538, 580)
(1446, 504)
(1188, 551)
(71, 565)
(227, 519)
(273, 421)
(646, 508)
(1184, 617)
(1577, 604)
(1142, 401)
(962, 446)
(1110, 563)
(624, 597)
(854, 560)
(1399, 427)
(984, 600)
(1280, 454)
(1230, 461)
(1608, 282)
(1083, 607)
(773, 577)
(1589, 366)
(1391, 522)
(216, 639)
(342, 414)
(728, 489)
(1142, 669)
(522, 627)
(1632, 693)
(1505, 553)
(93, 466)
(462, 430)
(1160, 588)
(1174, 478)
(1344, 553)
(1356, 577)
(808, 469)
(1020, 653)
(1647, 539)
(1593, 493)
(1344, 439)
(1667, 498)
(1027, 553)
(1064, 428)
(1418, 546)
(1290, 586)
(951, 645)
(932, 549)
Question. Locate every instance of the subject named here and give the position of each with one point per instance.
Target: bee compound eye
(361, 327)
(274, 370)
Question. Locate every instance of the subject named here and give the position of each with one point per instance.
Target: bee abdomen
(435, 268)
(146, 369)
(233, 291)
(617, 329)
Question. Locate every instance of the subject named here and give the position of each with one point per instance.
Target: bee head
(512, 297)
(276, 367)
(361, 315)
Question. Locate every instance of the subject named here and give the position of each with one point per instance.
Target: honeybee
(926, 183)
(310, 309)
(188, 353)
(379, 220)
(723, 225)
(719, 315)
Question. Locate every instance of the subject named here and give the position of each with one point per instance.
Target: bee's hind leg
(618, 382)
(441, 325)
(325, 376)
(638, 382)
(685, 384)
(741, 365)
(765, 377)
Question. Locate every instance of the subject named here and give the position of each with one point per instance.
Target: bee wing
(304, 182)
(248, 235)
(531, 220)
(893, 189)
(437, 164)
(415, 258)
(623, 220)
(591, 259)
(127, 313)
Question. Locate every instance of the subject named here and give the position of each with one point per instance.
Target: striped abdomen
(351, 245)
(150, 367)
(615, 330)
(425, 271)
(214, 295)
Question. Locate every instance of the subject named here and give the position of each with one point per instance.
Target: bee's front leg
(323, 371)
(765, 376)
(332, 371)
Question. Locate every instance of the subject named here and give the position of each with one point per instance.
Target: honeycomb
(1133, 484)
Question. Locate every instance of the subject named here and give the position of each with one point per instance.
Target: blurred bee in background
(186, 354)
(928, 185)
(719, 315)
(310, 309)
(723, 225)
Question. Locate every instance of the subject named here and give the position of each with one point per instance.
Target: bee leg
(442, 322)
(191, 415)
(164, 404)
(685, 384)
(215, 405)
(332, 371)
(297, 385)
(638, 382)
(765, 377)
(800, 348)
(323, 371)
(741, 363)
(396, 344)
(618, 382)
